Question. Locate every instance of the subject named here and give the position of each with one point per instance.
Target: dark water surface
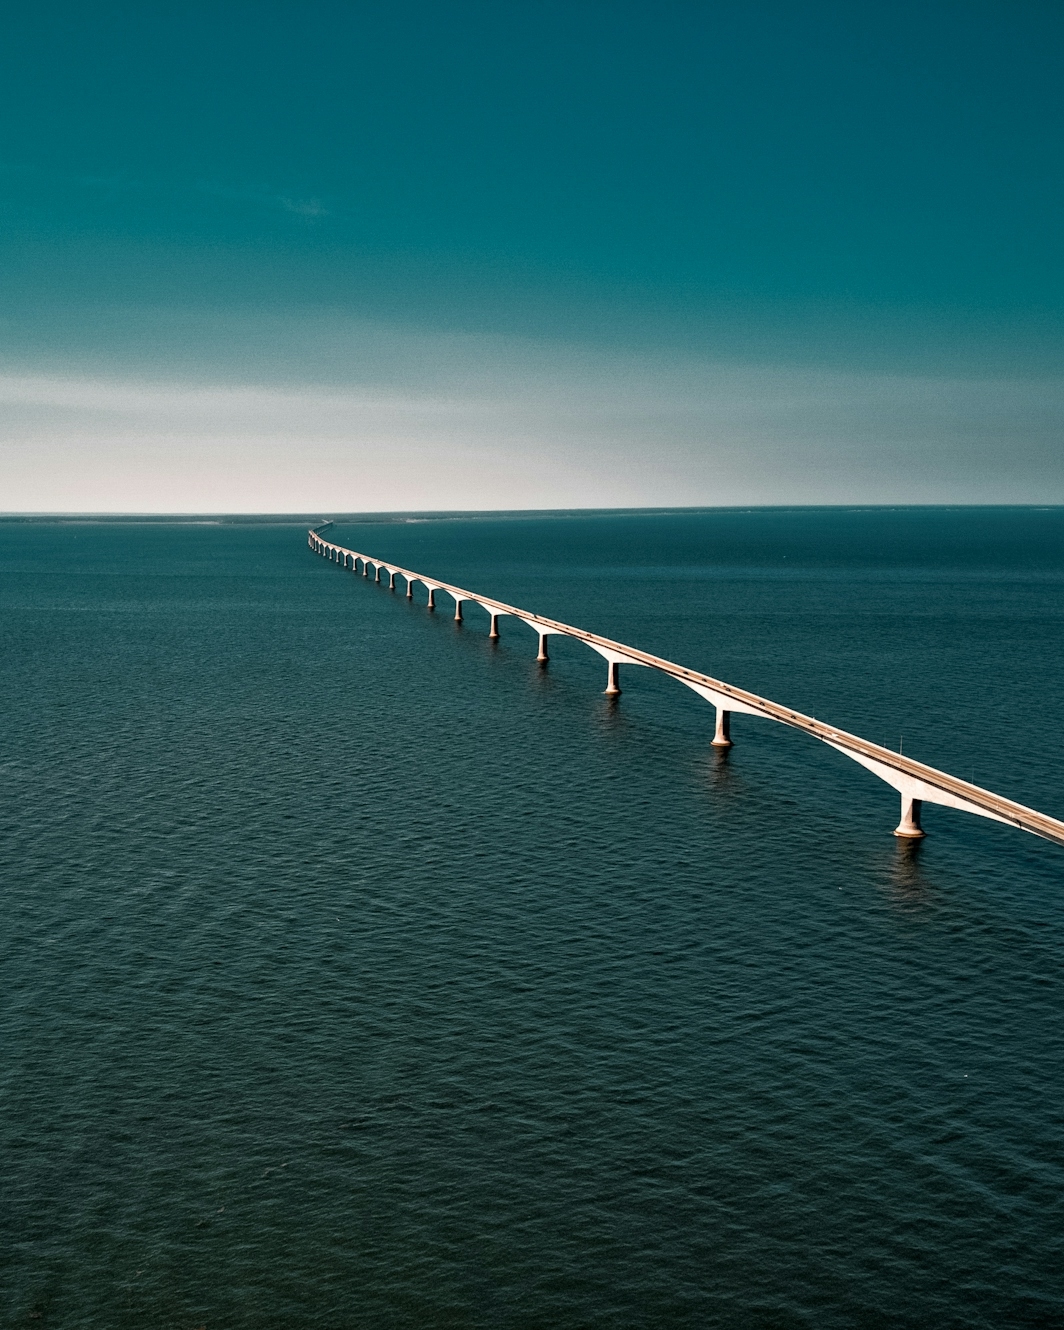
(359, 973)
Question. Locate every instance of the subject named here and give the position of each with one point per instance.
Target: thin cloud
(265, 198)
(305, 207)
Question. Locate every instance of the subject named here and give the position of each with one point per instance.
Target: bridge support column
(613, 688)
(909, 827)
(458, 611)
(543, 657)
(432, 599)
(493, 631)
(722, 738)
(365, 568)
(391, 581)
(377, 578)
(410, 588)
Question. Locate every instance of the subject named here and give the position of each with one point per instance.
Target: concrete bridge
(916, 783)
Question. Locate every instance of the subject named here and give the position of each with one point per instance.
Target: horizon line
(401, 514)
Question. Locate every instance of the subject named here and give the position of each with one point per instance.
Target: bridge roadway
(916, 782)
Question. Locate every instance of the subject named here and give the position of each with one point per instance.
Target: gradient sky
(347, 257)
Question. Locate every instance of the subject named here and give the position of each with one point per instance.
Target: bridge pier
(613, 688)
(432, 599)
(493, 631)
(365, 568)
(909, 827)
(391, 581)
(722, 738)
(543, 657)
(458, 611)
(377, 576)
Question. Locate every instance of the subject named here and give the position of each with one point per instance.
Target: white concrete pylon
(544, 632)
(613, 659)
(725, 706)
(722, 734)
(909, 827)
(914, 792)
(494, 613)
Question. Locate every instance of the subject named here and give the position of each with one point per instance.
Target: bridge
(915, 782)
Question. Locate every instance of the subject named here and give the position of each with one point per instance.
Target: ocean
(359, 972)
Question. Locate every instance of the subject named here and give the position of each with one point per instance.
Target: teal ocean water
(358, 972)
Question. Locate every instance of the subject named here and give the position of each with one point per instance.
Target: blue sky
(343, 257)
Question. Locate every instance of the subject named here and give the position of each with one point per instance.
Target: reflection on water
(909, 886)
(720, 774)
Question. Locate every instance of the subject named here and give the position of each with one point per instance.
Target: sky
(409, 256)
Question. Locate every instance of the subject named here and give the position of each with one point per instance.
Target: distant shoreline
(428, 515)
